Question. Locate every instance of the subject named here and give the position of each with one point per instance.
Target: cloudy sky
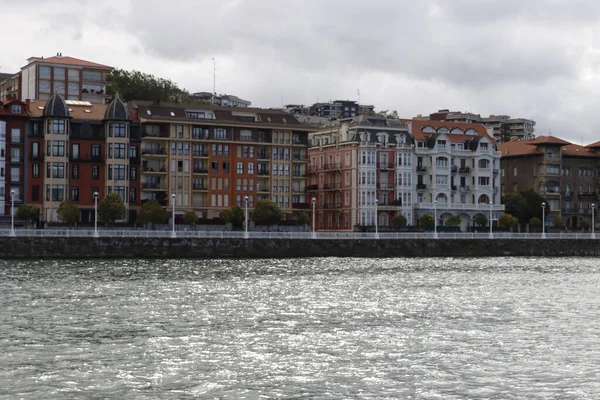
(526, 58)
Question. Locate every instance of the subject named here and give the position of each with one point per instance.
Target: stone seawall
(36, 248)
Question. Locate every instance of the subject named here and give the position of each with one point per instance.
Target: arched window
(484, 164)
(441, 198)
(471, 132)
(483, 199)
(457, 131)
(443, 129)
(428, 129)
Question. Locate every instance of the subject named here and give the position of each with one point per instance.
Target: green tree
(585, 224)
(302, 219)
(111, 209)
(481, 220)
(226, 215)
(399, 221)
(136, 85)
(559, 223)
(151, 212)
(453, 221)
(533, 208)
(427, 222)
(68, 213)
(28, 212)
(190, 218)
(535, 223)
(507, 221)
(515, 205)
(233, 215)
(266, 213)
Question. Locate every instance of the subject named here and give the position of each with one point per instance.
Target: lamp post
(314, 203)
(593, 228)
(96, 214)
(173, 214)
(246, 217)
(376, 219)
(491, 232)
(544, 220)
(435, 235)
(12, 213)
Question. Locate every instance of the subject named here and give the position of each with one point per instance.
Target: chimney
(28, 104)
(134, 113)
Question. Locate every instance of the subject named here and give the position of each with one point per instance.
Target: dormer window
(197, 114)
(428, 129)
(148, 112)
(16, 109)
(483, 146)
(441, 144)
(443, 130)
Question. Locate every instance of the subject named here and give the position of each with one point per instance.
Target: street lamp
(314, 203)
(593, 228)
(376, 210)
(173, 213)
(544, 220)
(246, 218)
(435, 235)
(96, 214)
(491, 232)
(12, 213)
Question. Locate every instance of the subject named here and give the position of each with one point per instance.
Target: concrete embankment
(37, 247)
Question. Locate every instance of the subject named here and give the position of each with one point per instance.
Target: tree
(28, 212)
(302, 219)
(481, 220)
(427, 222)
(585, 224)
(558, 223)
(266, 213)
(535, 223)
(533, 208)
(151, 211)
(399, 221)
(136, 85)
(190, 218)
(111, 209)
(233, 215)
(515, 205)
(454, 221)
(68, 213)
(507, 221)
(385, 114)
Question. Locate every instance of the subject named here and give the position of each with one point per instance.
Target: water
(514, 328)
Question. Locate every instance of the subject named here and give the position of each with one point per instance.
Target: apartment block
(368, 167)
(339, 109)
(10, 85)
(566, 175)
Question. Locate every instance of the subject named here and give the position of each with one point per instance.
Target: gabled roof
(593, 145)
(418, 134)
(64, 60)
(574, 150)
(549, 140)
(518, 148)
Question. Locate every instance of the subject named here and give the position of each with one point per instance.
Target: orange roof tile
(549, 140)
(96, 111)
(418, 125)
(593, 145)
(518, 148)
(578, 151)
(63, 60)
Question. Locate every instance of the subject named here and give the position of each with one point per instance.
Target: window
(132, 173)
(441, 180)
(57, 126)
(251, 168)
(15, 135)
(214, 167)
(75, 171)
(15, 155)
(484, 181)
(119, 150)
(56, 148)
(55, 192)
(117, 130)
(59, 73)
(74, 193)
(441, 162)
(240, 168)
(16, 109)
(514, 171)
(132, 195)
(92, 76)
(119, 172)
(441, 144)
(44, 71)
(15, 174)
(95, 150)
(74, 75)
(483, 146)
(180, 131)
(35, 171)
(95, 172)
(220, 133)
(246, 135)
(484, 164)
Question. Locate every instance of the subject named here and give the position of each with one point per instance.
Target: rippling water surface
(333, 328)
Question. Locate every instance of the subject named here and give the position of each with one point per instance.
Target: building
(10, 85)
(340, 109)
(370, 167)
(14, 120)
(564, 174)
(212, 158)
(72, 78)
(77, 148)
(502, 127)
(224, 100)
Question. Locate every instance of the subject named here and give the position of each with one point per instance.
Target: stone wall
(36, 248)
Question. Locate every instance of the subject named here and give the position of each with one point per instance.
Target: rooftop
(65, 60)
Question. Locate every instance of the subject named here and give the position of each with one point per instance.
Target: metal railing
(200, 234)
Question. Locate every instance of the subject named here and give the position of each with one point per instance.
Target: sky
(524, 58)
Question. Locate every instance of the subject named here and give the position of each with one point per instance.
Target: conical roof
(117, 110)
(56, 107)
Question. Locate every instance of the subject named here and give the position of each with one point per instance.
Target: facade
(211, 158)
(370, 167)
(70, 77)
(502, 127)
(224, 100)
(10, 85)
(2, 167)
(14, 115)
(564, 174)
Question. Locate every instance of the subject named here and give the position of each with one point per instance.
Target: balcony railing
(588, 195)
(154, 186)
(332, 186)
(465, 170)
(200, 171)
(421, 186)
(388, 165)
(200, 187)
(154, 170)
(154, 151)
(331, 206)
(464, 189)
(200, 153)
(454, 169)
(421, 168)
(312, 188)
(332, 166)
(302, 206)
(86, 157)
(385, 186)
(36, 156)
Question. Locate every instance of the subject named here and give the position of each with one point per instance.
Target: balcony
(332, 186)
(332, 166)
(262, 156)
(153, 151)
(134, 159)
(201, 171)
(421, 186)
(453, 188)
(385, 186)
(464, 189)
(383, 165)
(421, 169)
(465, 170)
(331, 206)
(155, 135)
(200, 187)
(588, 195)
(36, 156)
(151, 170)
(302, 158)
(302, 206)
(454, 169)
(496, 171)
(263, 173)
(153, 186)
(200, 153)
(567, 194)
(391, 205)
(262, 189)
(312, 188)
(86, 157)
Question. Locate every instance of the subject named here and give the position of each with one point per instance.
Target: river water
(512, 328)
